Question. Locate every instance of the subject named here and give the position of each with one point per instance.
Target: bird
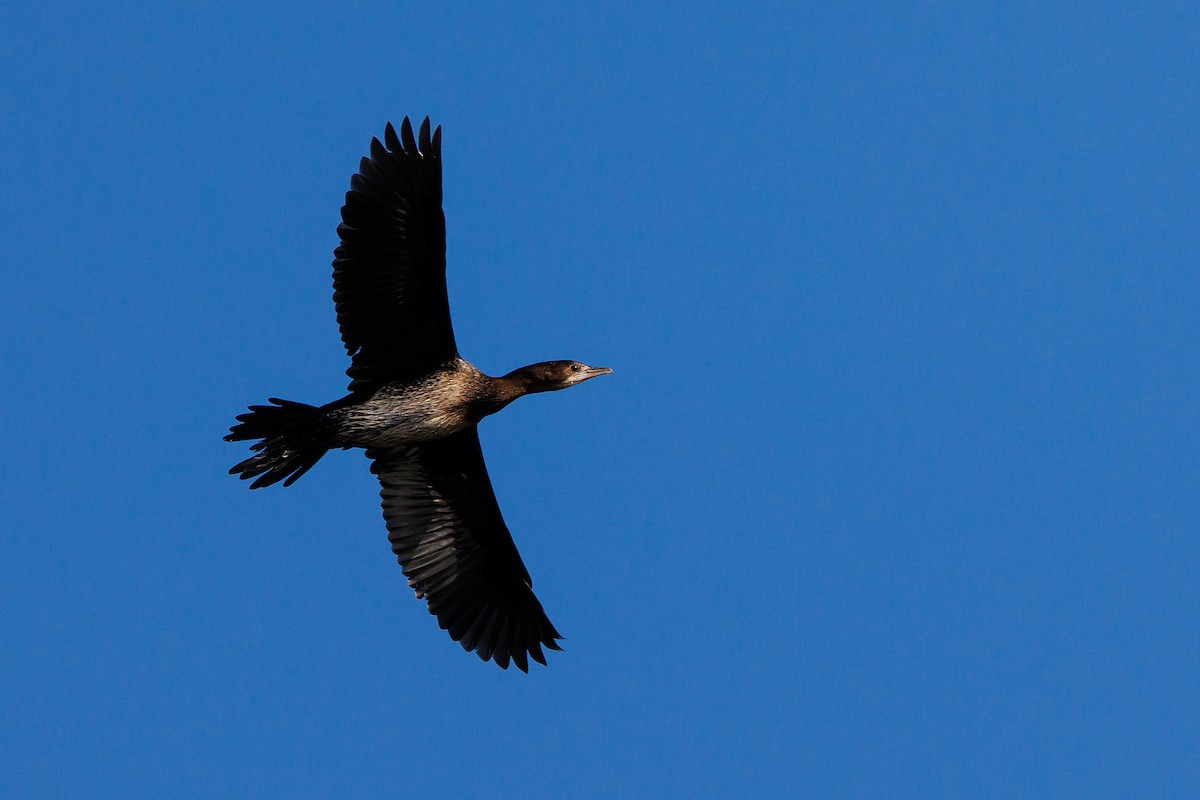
(414, 405)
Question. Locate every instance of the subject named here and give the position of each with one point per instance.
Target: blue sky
(893, 493)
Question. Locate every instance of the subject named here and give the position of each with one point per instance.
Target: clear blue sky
(894, 492)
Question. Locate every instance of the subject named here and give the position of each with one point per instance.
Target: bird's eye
(576, 367)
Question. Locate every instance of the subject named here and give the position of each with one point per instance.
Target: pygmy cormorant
(414, 404)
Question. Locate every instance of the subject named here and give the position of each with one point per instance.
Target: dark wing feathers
(447, 532)
(389, 273)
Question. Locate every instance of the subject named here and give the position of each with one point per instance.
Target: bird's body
(433, 406)
(414, 404)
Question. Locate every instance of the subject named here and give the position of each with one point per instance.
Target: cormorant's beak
(593, 372)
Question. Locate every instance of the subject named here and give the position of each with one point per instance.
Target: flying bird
(414, 404)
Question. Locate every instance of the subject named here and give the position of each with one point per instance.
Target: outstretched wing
(447, 532)
(389, 273)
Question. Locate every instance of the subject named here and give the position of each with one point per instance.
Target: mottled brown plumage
(414, 404)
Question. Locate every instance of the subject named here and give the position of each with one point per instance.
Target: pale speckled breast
(403, 413)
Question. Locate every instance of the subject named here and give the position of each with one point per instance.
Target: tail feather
(287, 448)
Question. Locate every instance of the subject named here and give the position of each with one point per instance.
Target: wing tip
(390, 137)
(423, 137)
(495, 636)
(406, 137)
(427, 141)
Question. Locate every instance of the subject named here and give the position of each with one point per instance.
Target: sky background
(893, 493)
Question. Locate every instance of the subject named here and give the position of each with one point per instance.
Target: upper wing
(456, 551)
(389, 273)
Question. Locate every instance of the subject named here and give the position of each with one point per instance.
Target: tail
(287, 448)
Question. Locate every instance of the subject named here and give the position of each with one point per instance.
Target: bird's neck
(496, 393)
(519, 382)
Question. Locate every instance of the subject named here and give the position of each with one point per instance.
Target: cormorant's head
(550, 376)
